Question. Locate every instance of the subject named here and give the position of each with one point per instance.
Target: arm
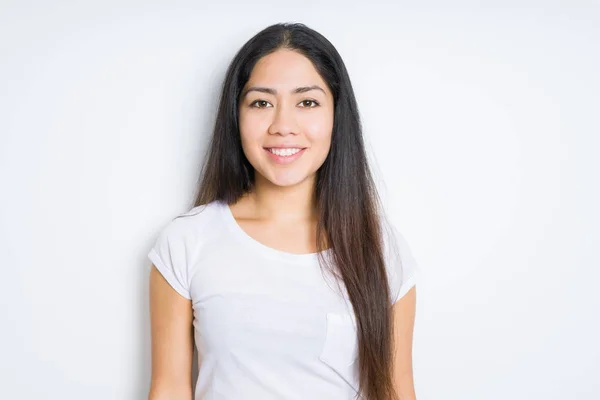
(403, 313)
(172, 341)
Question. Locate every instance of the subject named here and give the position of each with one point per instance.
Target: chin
(288, 180)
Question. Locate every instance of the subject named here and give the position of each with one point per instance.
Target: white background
(482, 121)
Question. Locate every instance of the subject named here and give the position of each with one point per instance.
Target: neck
(289, 203)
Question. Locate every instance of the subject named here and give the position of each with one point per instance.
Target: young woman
(284, 273)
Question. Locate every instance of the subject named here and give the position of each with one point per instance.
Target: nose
(284, 122)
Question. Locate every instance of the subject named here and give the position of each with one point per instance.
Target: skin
(280, 212)
(403, 313)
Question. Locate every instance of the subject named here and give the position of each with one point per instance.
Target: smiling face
(285, 119)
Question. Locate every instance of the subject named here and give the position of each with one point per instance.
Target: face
(285, 119)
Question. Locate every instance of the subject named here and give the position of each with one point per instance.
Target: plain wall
(482, 122)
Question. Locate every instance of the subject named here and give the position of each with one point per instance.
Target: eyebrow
(301, 89)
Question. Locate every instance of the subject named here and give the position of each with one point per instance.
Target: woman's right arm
(172, 341)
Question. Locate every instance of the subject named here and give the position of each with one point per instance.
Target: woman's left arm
(403, 312)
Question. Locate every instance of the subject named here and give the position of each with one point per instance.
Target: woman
(284, 273)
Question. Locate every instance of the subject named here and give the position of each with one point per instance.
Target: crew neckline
(249, 241)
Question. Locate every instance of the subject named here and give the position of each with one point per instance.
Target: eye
(309, 101)
(306, 103)
(258, 101)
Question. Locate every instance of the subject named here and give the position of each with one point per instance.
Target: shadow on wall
(142, 386)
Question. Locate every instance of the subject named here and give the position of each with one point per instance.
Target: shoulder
(401, 266)
(192, 228)
(178, 244)
(197, 217)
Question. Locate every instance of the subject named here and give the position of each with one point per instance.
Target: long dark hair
(347, 200)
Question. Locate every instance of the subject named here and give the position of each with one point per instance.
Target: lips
(285, 159)
(285, 147)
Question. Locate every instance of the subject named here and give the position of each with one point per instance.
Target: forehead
(284, 68)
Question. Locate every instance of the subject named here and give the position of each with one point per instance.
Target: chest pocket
(340, 350)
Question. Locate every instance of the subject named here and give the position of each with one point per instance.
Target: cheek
(253, 119)
(319, 134)
(251, 133)
(319, 124)
(249, 147)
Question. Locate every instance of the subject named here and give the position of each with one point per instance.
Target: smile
(286, 155)
(285, 152)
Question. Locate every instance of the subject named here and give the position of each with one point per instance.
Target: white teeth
(284, 152)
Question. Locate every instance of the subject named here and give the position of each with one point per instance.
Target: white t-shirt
(268, 324)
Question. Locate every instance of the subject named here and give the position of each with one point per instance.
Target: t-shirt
(267, 324)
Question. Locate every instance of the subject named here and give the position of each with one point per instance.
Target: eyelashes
(316, 104)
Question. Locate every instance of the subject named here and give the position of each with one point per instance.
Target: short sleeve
(169, 255)
(400, 263)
